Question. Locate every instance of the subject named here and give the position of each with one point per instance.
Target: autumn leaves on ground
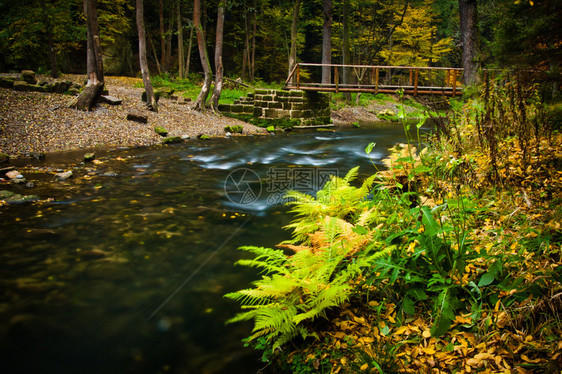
(446, 262)
(42, 122)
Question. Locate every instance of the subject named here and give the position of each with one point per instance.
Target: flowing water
(125, 270)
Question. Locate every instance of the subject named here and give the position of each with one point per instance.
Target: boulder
(62, 86)
(235, 129)
(172, 140)
(137, 117)
(28, 76)
(161, 131)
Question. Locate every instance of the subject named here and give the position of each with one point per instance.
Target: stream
(125, 270)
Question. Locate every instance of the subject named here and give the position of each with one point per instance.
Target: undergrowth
(447, 261)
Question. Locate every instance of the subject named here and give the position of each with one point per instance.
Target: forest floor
(32, 122)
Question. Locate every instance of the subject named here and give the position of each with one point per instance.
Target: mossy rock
(6, 83)
(157, 95)
(172, 140)
(204, 137)
(89, 157)
(4, 158)
(161, 131)
(235, 129)
(165, 92)
(270, 128)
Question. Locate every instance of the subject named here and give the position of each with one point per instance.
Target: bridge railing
(377, 78)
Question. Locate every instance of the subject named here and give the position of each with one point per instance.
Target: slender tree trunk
(204, 93)
(219, 69)
(181, 56)
(189, 47)
(162, 35)
(150, 99)
(169, 39)
(293, 53)
(246, 51)
(155, 54)
(94, 87)
(327, 42)
(470, 39)
(254, 35)
(345, 47)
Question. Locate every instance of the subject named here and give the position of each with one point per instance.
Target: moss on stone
(161, 131)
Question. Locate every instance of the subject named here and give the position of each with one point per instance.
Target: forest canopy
(51, 36)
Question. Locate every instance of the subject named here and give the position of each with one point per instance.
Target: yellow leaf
(429, 350)
(527, 359)
(426, 334)
(401, 330)
(364, 367)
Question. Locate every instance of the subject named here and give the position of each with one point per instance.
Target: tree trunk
(155, 54)
(204, 93)
(87, 98)
(219, 69)
(169, 39)
(345, 47)
(470, 40)
(327, 42)
(253, 55)
(162, 35)
(181, 56)
(150, 99)
(293, 53)
(189, 47)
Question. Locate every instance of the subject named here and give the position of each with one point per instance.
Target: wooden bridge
(378, 79)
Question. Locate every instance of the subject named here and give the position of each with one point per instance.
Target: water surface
(125, 271)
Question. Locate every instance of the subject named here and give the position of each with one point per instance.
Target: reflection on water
(125, 272)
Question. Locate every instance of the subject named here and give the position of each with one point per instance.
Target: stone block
(296, 113)
(275, 105)
(296, 99)
(266, 97)
(299, 106)
(260, 104)
(21, 86)
(28, 76)
(6, 83)
(111, 100)
(258, 112)
(297, 93)
(276, 113)
(224, 108)
(137, 117)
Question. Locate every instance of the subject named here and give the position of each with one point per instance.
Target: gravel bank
(38, 122)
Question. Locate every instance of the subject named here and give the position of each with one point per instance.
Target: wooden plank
(336, 78)
(454, 82)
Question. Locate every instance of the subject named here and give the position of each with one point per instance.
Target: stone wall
(299, 107)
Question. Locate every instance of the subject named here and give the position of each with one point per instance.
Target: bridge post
(454, 82)
(376, 80)
(416, 83)
(411, 71)
(336, 78)
(298, 76)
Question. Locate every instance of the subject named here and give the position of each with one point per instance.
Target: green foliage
(297, 289)
(234, 129)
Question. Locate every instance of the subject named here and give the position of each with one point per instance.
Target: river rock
(5, 194)
(37, 155)
(185, 137)
(172, 140)
(64, 175)
(93, 254)
(89, 157)
(14, 174)
(4, 158)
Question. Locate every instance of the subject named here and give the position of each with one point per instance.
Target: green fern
(333, 245)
